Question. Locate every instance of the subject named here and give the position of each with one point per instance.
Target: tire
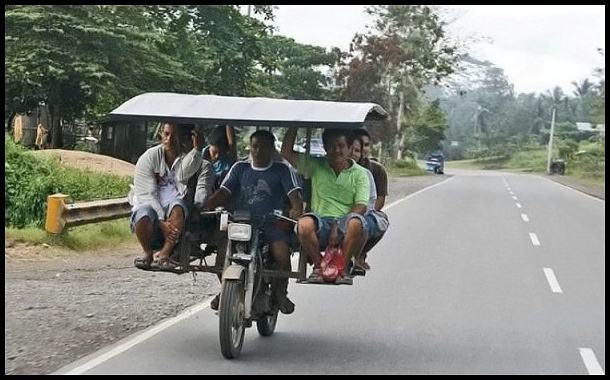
(266, 325)
(231, 315)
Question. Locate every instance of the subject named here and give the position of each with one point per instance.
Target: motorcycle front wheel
(231, 313)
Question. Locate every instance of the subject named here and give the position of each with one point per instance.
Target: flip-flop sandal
(165, 264)
(315, 278)
(357, 271)
(142, 263)
(344, 280)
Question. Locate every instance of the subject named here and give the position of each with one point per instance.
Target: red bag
(333, 262)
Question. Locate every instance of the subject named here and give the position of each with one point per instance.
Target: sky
(537, 46)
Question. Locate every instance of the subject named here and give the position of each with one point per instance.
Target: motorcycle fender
(233, 272)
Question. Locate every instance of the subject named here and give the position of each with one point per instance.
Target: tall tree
(428, 129)
(69, 57)
(295, 71)
(406, 50)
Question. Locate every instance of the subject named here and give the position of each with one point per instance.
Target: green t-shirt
(333, 195)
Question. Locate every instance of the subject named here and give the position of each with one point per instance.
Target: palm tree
(583, 88)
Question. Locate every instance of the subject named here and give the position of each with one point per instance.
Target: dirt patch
(91, 161)
(60, 308)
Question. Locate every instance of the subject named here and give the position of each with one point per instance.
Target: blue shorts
(324, 225)
(149, 212)
(377, 223)
(272, 234)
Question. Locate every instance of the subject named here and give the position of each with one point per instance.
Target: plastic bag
(333, 262)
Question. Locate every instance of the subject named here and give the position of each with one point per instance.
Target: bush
(529, 160)
(29, 180)
(404, 164)
(591, 160)
(567, 148)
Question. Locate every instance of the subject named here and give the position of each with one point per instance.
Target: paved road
(485, 273)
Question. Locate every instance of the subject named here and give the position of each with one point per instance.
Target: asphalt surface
(484, 273)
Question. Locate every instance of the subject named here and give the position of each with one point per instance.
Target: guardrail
(61, 215)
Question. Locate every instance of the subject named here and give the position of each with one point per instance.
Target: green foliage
(535, 161)
(429, 129)
(83, 59)
(390, 65)
(292, 70)
(405, 168)
(590, 161)
(566, 148)
(29, 180)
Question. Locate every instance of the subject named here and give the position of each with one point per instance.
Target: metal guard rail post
(61, 215)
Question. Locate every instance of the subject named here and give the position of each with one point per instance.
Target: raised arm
(231, 141)
(287, 144)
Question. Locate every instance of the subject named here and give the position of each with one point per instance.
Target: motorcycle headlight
(239, 232)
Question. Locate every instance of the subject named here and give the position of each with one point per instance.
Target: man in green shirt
(340, 192)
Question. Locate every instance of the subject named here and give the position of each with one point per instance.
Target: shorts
(146, 210)
(377, 223)
(272, 234)
(324, 225)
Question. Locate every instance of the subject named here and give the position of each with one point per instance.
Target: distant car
(435, 163)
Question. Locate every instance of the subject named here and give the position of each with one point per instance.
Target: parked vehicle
(435, 163)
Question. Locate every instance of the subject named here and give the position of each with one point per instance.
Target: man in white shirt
(160, 184)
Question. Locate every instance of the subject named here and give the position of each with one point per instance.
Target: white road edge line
(593, 366)
(416, 193)
(150, 332)
(578, 191)
(525, 218)
(550, 277)
(140, 337)
(534, 239)
(518, 205)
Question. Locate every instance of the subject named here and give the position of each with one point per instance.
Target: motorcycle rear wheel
(266, 325)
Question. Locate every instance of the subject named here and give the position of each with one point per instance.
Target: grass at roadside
(405, 172)
(78, 238)
(404, 168)
(528, 161)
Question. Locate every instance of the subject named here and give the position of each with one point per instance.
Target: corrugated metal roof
(214, 109)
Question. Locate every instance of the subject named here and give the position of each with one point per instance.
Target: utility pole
(550, 148)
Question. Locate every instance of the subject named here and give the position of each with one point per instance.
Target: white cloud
(322, 25)
(538, 47)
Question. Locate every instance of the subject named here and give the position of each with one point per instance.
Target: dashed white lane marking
(550, 277)
(518, 205)
(510, 192)
(593, 366)
(515, 198)
(525, 218)
(534, 238)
